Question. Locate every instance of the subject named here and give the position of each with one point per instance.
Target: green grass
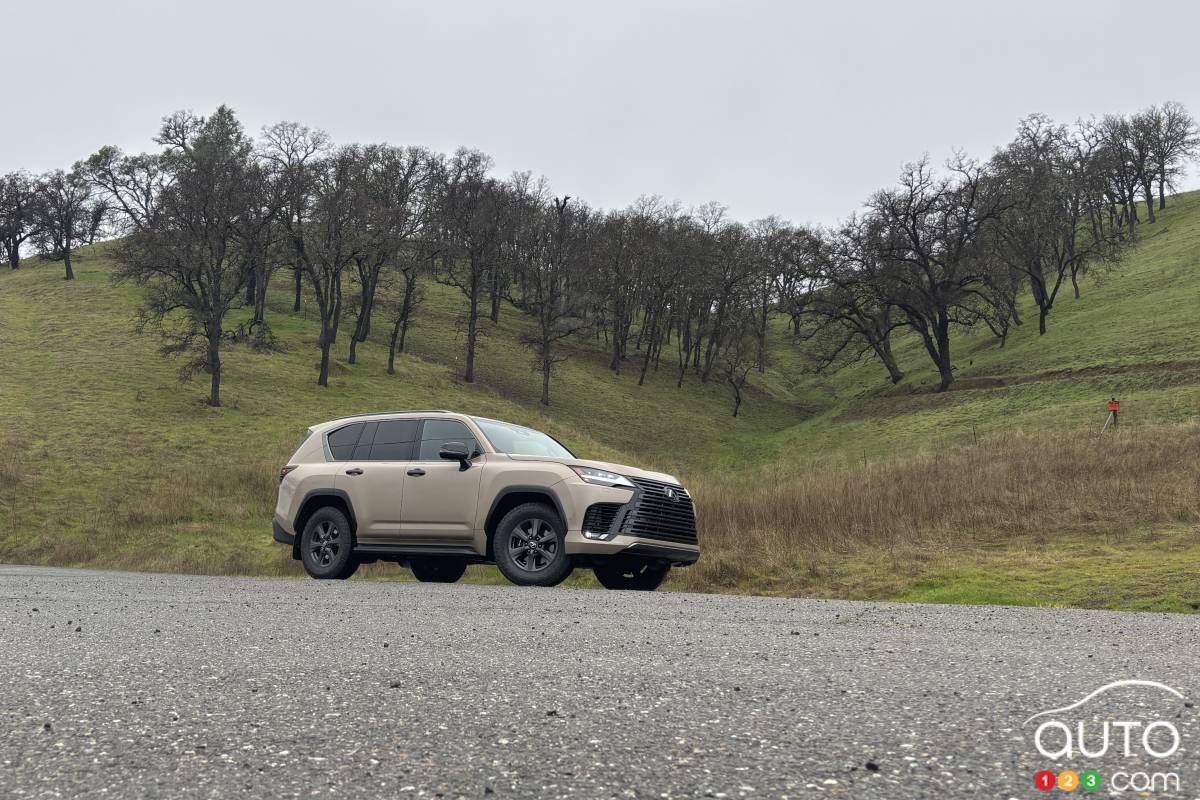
(106, 459)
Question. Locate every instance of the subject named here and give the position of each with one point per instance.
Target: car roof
(388, 414)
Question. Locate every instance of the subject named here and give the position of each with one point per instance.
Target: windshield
(518, 441)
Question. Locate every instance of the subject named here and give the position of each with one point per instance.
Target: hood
(620, 469)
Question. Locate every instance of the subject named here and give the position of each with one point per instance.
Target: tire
(529, 546)
(636, 576)
(437, 570)
(327, 545)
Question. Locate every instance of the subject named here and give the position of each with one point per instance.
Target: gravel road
(137, 685)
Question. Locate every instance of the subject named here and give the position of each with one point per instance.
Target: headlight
(602, 477)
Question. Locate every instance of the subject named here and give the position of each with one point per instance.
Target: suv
(437, 491)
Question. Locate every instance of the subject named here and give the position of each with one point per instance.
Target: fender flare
(523, 489)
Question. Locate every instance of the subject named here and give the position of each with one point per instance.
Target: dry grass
(769, 532)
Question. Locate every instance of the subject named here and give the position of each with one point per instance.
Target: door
(372, 460)
(440, 497)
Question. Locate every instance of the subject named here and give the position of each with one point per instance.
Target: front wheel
(530, 546)
(637, 576)
(327, 545)
(437, 570)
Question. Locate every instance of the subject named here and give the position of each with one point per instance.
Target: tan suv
(437, 491)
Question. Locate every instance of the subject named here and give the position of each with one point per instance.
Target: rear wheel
(638, 576)
(437, 570)
(327, 545)
(530, 546)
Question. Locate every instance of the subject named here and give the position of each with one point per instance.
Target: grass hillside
(997, 491)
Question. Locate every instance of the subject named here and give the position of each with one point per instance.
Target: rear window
(342, 441)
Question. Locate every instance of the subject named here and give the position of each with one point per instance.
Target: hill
(837, 485)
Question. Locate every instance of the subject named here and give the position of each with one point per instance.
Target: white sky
(798, 109)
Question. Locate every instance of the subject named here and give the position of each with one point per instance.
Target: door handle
(355, 471)
(416, 472)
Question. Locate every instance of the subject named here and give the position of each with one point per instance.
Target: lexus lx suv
(437, 491)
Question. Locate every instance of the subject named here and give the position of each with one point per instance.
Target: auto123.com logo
(1063, 735)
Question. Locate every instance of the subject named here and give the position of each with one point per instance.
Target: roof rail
(405, 411)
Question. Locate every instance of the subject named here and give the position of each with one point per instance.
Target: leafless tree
(69, 216)
(1175, 141)
(549, 265)
(190, 243)
(471, 207)
(395, 186)
(937, 270)
(20, 213)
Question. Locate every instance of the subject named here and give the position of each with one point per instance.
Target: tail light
(283, 472)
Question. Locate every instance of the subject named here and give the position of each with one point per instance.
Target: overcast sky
(798, 109)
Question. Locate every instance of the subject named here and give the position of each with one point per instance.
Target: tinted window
(437, 432)
(362, 451)
(394, 440)
(342, 441)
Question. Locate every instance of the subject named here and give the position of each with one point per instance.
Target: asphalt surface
(136, 685)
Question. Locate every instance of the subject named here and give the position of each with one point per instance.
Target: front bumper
(625, 545)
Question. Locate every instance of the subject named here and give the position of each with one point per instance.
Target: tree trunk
(546, 365)
(1162, 194)
(1148, 190)
(213, 336)
(737, 396)
(472, 319)
(392, 346)
(299, 289)
(618, 340)
(260, 300)
(323, 378)
(884, 350)
(685, 351)
(495, 298)
(646, 357)
(943, 355)
(1042, 312)
(67, 262)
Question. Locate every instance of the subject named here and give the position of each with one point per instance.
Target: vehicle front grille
(657, 516)
(599, 517)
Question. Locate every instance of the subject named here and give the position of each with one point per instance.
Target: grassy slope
(106, 459)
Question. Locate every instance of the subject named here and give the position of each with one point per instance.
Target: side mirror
(456, 451)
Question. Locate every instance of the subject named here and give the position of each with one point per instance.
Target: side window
(342, 441)
(437, 432)
(394, 440)
(362, 450)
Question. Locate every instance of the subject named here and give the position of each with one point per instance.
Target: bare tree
(289, 150)
(20, 213)
(395, 187)
(69, 216)
(846, 310)
(737, 358)
(408, 293)
(549, 265)
(471, 219)
(328, 232)
(937, 270)
(190, 241)
(1175, 140)
(1045, 235)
